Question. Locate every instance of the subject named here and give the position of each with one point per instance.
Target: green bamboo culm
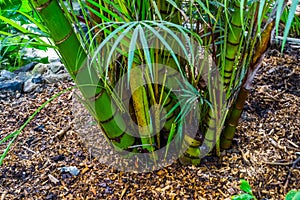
(235, 115)
(237, 109)
(74, 57)
(232, 44)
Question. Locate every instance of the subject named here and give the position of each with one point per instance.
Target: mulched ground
(265, 146)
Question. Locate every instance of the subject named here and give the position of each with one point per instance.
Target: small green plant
(246, 188)
(248, 195)
(293, 195)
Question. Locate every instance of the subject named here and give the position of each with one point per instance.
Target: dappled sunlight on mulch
(264, 148)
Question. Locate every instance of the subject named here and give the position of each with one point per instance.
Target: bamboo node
(39, 9)
(64, 38)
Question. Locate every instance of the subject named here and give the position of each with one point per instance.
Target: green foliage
(248, 195)
(295, 25)
(20, 30)
(293, 195)
(246, 188)
(289, 20)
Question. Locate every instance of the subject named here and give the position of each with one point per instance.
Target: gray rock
(52, 78)
(18, 95)
(38, 89)
(15, 85)
(29, 86)
(3, 96)
(7, 74)
(71, 169)
(23, 76)
(37, 79)
(56, 67)
(40, 68)
(26, 68)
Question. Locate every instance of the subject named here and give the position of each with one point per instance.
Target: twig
(24, 147)
(278, 163)
(222, 193)
(3, 195)
(290, 172)
(275, 144)
(62, 132)
(292, 143)
(244, 156)
(123, 192)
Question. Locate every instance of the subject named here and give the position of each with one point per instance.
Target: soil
(264, 151)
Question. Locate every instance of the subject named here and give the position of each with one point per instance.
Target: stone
(23, 76)
(71, 169)
(26, 68)
(3, 96)
(37, 79)
(7, 74)
(56, 67)
(15, 85)
(52, 78)
(18, 95)
(50, 53)
(29, 86)
(40, 68)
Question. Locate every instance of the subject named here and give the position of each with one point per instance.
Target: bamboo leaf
(15, 134)
(145, 48)
(242, 6)
(177, 39)
(156, 10)
(108, 38)
(291, 194)
(260, 15)
(5, 33)
(243, 197)
(132, 48)
(168, 47)
(13, 24)
(174, 4)
(289, 22)
(170, 138)
(116, 43)
(103, 8)
(38, 24)
(278, 14)
(201, 4)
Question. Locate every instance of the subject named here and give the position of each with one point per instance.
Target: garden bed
(263, 151)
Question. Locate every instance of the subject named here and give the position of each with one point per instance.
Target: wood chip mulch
(264, 151)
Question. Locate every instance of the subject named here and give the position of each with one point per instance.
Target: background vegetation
(20, 30)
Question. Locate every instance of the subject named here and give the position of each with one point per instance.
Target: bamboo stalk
(234, 117)
(236, 111)
(74, 57)
(232, 45)
(141, 108)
